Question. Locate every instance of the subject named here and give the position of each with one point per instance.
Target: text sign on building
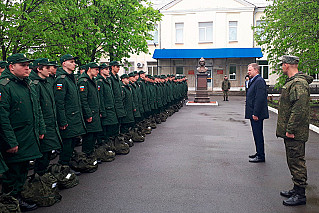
(220, 72)
(191, 72)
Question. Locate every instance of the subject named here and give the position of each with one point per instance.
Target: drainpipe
(254, 20)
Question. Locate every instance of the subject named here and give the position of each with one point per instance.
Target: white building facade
(219, 31)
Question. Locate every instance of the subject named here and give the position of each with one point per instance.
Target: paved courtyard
(197, 161)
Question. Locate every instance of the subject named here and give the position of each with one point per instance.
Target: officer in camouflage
(293, 127)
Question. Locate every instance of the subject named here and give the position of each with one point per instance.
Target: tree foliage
(89, 29)
(291, 28)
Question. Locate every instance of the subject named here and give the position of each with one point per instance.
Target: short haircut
(255, 66)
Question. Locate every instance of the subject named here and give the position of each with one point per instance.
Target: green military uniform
(293, 118)
(109, 119)
(90, 108)
(129, 107)
(145, 100)
(117, 92)
(20, 124)
(51, 78)
(52, 139)
(69, 112)
(225, 88)
(3, 166)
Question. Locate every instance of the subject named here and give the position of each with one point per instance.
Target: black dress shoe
(257, 159)
(295, 200)
(288, 193)
(252, 156)
(24, 206)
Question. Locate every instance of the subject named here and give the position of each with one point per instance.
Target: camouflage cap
(3, 64)
(92, 65)
(124, 76)
(289, 59)
(18, 58)
(40, 61)
(67, 57)
(115, 63)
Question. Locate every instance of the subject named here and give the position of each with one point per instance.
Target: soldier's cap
(3, 64)
(18, 58)
(115, 63)
(40, 61)
(92, 65)
(67, 57)
(131, 74)
(103, 66)
(148, 76)
(141, 72)
(53, 63)
(83, 67)
(289, 59)
(124, 76)
(135, 72)
(31, 65)
(172, 75)
(155, 76)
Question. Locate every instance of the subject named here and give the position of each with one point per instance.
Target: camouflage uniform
(225, 88)
(293, 117)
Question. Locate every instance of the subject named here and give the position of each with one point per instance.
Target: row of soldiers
(45, 107)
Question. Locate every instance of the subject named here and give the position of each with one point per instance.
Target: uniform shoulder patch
(63, 76)
(35, 81)
(4, 81)
(59, 86)
(82, 88)
(85, 79)
(100, 79)
(98, 87)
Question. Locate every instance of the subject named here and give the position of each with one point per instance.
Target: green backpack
(65, 178)
(80, 162)
(104, 154)
(40, 192)
(137, 135)
(9, 204)
(121, 147)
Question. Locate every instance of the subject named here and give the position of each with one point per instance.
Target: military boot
(299, 198)
(289, 193)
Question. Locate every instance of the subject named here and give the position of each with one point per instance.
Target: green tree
(291, 28)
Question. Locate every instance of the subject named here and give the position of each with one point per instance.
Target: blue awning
(208, 53)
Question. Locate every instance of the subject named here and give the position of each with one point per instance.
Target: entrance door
(209, 79)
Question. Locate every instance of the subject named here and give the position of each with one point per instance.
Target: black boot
(299, 198)
(289, 193)
(24, 206)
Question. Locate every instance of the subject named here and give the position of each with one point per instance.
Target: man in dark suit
(256, 110)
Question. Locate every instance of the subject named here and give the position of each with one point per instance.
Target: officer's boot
(289, 193)
(298, 198)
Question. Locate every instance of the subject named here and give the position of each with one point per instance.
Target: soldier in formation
(47, 108)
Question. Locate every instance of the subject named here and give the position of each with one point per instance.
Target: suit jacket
(256, 99)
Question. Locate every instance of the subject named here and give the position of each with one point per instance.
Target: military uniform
(129, 107)
(90, 108)
(293, 118)
(225, 88)
(52, 139)
(20, 126)
(69, 113)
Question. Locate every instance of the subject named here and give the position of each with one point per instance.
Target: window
(154, 34)
(232, 72)
(233, 31)
(205, 31)
(180, 70)
(179, 30)
(264, 69)
(152, 68)
(259, 31)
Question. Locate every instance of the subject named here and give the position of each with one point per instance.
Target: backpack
(35, 190)
(121, 147)
(137, 135)
(65, 178)
(127, 138)
(9, 204)
(80, 162)
(104, 154)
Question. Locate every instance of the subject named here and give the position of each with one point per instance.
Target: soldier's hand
(41, 137)
(255, 118)
(89, 120)
(290, 135)
(13, 150)
(63, 127)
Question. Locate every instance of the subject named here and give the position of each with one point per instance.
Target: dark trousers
(125, 127)
(14, 178)
(295, 153)
(67, 150)
(88, 142)
(108, 131)
(257, 127)
(41, 164)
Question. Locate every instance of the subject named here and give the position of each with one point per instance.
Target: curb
(311, 126)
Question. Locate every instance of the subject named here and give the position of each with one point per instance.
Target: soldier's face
(284, 68)
(45, 72)
(1, 70)
(252, 72)
(125, 81)
(53, 70)
(116, 69)
(21, 70)
(94, 71)
(105, 71)
(132, 79)
(69, 65)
